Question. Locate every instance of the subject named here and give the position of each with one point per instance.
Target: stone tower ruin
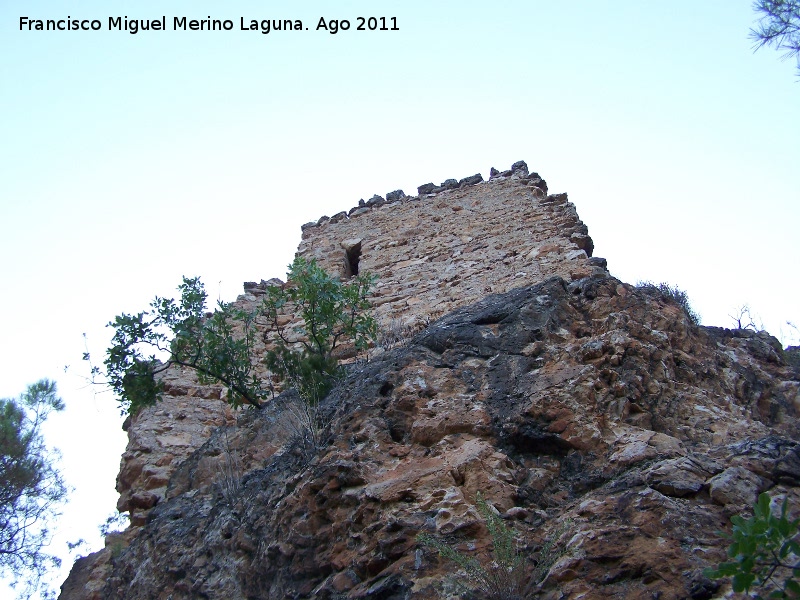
(446, 247)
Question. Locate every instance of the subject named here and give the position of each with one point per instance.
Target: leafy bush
(333, 313)
(31, 488)
(671, 293)
(765, 553)
(501, 578)
(221, 347)
(218, 347)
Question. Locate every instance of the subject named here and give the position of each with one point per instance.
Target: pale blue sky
(127, 161)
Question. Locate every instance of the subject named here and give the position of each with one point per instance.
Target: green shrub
(765, 553)
(333, 313)
(220, 347)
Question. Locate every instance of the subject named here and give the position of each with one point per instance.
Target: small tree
(332, 313)
(221, 347)
(764, 553)
(778, 26)
(31, 488)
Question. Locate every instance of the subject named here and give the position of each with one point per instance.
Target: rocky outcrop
(164, 436)
(430, 254)
(584, 409)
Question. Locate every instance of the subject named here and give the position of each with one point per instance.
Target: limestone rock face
(584, 409)
(163, 436)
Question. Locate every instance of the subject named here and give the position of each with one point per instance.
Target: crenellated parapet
(454, 243)
(518, 170)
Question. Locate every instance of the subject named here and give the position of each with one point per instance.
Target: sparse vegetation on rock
(671, 293)
(500, 577)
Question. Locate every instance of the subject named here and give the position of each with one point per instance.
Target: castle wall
(435, 252)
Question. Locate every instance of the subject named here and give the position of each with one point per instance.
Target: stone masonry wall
(447, 247)
(438, 251)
